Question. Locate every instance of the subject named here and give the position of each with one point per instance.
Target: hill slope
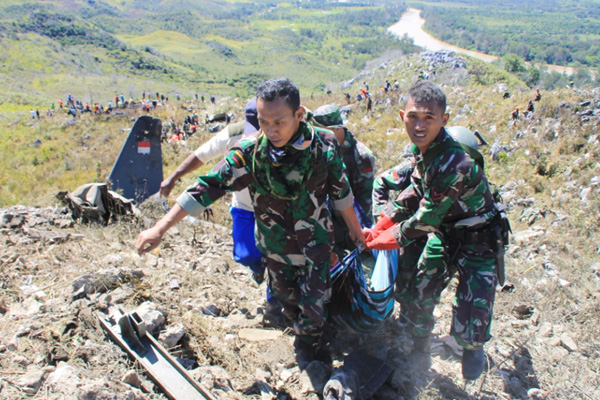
(93, 49)
(544, 336)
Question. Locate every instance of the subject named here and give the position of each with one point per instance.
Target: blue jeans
(244, 244)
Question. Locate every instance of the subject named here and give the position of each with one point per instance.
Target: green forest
(562, 32)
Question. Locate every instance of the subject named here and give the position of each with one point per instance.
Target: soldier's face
(423, 121)
(277, 120)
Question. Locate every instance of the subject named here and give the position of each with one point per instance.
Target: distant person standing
(538, 95)
(212, 99)
(515, 114)
(369, 104)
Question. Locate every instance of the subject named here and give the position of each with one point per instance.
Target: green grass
(182, 55)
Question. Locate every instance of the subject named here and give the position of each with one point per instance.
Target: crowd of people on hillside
(74, 107)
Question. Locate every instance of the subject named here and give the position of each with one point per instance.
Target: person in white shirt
(242, 211)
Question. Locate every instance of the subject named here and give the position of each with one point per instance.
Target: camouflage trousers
(426, 268)
(303, 289)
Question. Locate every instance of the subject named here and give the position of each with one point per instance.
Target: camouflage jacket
(450, 187)
(395, 179)
(290, 201)
(360, 169)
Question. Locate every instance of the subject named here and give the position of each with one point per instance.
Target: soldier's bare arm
(353, 227)
(191, 163)
(149, 239)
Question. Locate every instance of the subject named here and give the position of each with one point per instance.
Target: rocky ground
(58, 276)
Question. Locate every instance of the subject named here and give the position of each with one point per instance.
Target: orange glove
(383, 224)
(384, 241)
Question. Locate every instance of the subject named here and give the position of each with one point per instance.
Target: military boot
(473, 363)
(304, 351)
(420, 357)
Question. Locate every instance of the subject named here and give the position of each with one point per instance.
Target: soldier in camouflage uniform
(455, 208)
(395, 179)
(290, 169)
(359, 165)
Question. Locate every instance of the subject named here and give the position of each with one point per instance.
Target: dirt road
(411, 24)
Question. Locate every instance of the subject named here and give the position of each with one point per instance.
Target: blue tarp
(359, 307)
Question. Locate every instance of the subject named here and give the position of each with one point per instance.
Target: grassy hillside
(547, 164)
(94, 48)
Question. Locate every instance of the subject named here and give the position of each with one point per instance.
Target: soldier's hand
(382, 224)
(333, 259)
(385, 241)
(358, 238)
(367, 234)
(166, 187)
(148, 240)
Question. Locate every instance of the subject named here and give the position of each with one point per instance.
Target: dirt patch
(53, 284)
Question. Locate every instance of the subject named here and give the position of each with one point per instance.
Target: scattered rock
(113, 259)
(525, 237)
(133, 379)
(212, 377)
(211, 310)
(537, 394)
(568, 343)
(314, 377)
(30, 382)
(153, 318)
(64, 380)
(258, 335)
(171, 336)
(523, 311)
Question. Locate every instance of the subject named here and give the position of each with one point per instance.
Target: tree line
(554, 32)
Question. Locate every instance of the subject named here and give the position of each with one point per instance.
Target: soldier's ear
(300, 113)
(401, 112)
(445, 119)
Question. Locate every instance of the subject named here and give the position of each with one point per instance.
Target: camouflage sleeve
(444, 181)
(404, 205)
(394, 179)
(339, 189)
(229, 175)
(363, 187)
